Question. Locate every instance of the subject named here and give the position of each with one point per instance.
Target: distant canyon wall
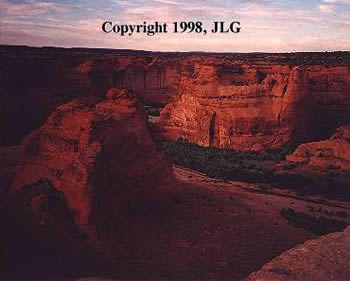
(240, 101)
(35, 81)
(256, 107)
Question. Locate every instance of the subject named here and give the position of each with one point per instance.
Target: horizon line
(151, 51)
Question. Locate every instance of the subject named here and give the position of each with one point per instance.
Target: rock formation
(326, 258)
(91, 188)
(99, 158)
(243, 101)
(332, 153)
(254, 107)
(9, 160)
(35, 81)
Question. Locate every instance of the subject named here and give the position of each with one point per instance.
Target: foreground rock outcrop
(332, 153)
(255, 107)
(326, 258)
(34, 81)
(9, 160)
(98, 158)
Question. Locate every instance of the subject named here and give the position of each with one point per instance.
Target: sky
(266, 26)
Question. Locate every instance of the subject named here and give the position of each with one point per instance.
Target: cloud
(264, 13)
(337, 1)
(266, 26)
(326, 8)
(125, 2)
(32, 8)
(167, 2)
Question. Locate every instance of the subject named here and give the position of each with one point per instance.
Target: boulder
(331, 153)
(325, 258)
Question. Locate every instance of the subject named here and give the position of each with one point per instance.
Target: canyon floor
(219, 230)
(214, 229)
(243, 157)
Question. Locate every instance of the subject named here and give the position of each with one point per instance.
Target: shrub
(153, 112)
(342, 214)
(317, 225)
(228, 164)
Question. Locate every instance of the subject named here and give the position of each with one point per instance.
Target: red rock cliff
(325, 258)
(35, 81)
(100, 157)
(242, 101)
(332, 153)
(257, 106)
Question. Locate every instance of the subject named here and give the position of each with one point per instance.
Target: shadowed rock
(260, 100)
(100, 157)
(332, 153)
(325, 258)
(257, 107)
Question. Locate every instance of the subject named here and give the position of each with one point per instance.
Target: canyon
(35, 81)
(145, 165)
(103, 150)
(327, 154)
(257, 107)
(239, 101)
(333, 248)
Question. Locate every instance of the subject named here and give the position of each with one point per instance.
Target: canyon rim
(215, 146)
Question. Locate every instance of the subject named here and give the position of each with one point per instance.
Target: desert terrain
(137, 165)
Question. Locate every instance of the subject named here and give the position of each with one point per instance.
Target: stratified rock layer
(332, 153)
(255, 107)
(244, 101)
(100, 157)
(326, 258)
(35, 81)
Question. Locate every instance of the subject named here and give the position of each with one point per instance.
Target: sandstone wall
(325, 258)
(255, 107)
(34, 82)
(327, 154)
(100, 157)
(241, 101)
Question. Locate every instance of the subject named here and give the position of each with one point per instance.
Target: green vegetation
(317, 225)
(153, 112)
(309, 58)
(193, 150)
(341, 214)
(224, 163)
(255, 167)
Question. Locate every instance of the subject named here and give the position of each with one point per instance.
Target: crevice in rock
(212, 130)
(285, 89)
(279, 117)
(260, 76)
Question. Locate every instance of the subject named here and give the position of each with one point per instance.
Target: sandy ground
(211, 230)
(217, 230)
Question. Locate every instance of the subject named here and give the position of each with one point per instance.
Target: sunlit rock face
(325, 258)
(248, 106)
(34, 81)
(242, 101)
(327, 154)
(99, 157)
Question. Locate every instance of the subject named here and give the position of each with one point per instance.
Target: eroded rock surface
(243, 101)
(332, 153)
(257, 106)
(326, 258)
(100, 157)
(9, 160)
(34, 81)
